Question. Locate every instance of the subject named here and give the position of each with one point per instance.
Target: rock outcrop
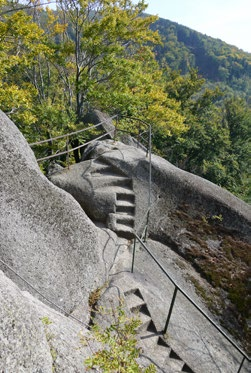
(56, 249)
(45, 236)
(202, 222)
(37, 339)
(108, 165)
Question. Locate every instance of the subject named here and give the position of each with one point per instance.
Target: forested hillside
(217, 61)
(56, 65)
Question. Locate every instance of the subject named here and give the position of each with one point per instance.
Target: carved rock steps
(155, 348)
(122, 219)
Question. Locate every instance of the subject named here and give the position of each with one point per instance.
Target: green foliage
(45, 320)
(21, 42)
(56, 65)
(119, 349)
(216, 144)
(183, 49)
(49, 337)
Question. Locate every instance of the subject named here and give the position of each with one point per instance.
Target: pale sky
(228, 20)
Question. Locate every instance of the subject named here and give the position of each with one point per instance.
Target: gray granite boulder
(109, 168)
(45, 236)
(37, 339)
(104, 120)
(203, 223)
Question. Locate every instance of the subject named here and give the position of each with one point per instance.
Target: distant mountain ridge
(217, 61)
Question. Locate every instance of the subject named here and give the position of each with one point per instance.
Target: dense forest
(56, 64)
(217, 61)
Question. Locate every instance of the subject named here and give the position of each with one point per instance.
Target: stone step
(174, 362)
(125, 219)
(106, 171)
(134, 302)
(124, 231)
(149, 340)
(121, 224)
(137, 305)
(125, 195)
(102, 166)
(123, 206)
(154, 347)
(112, 180)
(124, 202)
(145, 322)
(187, 369)
(135, 291)
(161, 353)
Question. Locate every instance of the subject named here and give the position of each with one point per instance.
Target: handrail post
(116, 128)
(242, 362)
(150, 179)
(170, 309)
(146, 226)
(133, 254)
(138, 136)
(67, 149)
(150, 166)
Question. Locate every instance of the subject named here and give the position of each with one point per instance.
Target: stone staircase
(155, 349)
(121, 220)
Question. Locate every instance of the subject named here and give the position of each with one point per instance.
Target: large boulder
(104, 120)
(45, 236)
(202, 222)
(108, 165)
(35, 338)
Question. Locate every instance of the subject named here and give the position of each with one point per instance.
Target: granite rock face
(108, 165)
(203, 223)
(45, 236)
(35, 338)
(23, 342)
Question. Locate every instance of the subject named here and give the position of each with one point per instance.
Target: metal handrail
(68, 150)
(72, 149)
(71, 133)
(178, 288)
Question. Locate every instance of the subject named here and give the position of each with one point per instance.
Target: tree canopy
(57, 63)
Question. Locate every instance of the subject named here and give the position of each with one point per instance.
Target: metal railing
(67, 136)
(114, 131)
(177, 289)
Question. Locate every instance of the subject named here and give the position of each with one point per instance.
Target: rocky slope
(48, 240)
(200, 221)
(53, 258)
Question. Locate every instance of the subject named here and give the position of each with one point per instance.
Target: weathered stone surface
(47, 238)
(201, 221)
(44, 234)
(23, 342)
(171, 189)
(96, 116)
(37, 339)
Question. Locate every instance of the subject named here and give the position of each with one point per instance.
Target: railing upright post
(67, 155)
(116, 128)
(243, 359)
(138, 136)
(133, 254)
(150, 180)
(170, 309)
(150, 167)
(146, 227)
